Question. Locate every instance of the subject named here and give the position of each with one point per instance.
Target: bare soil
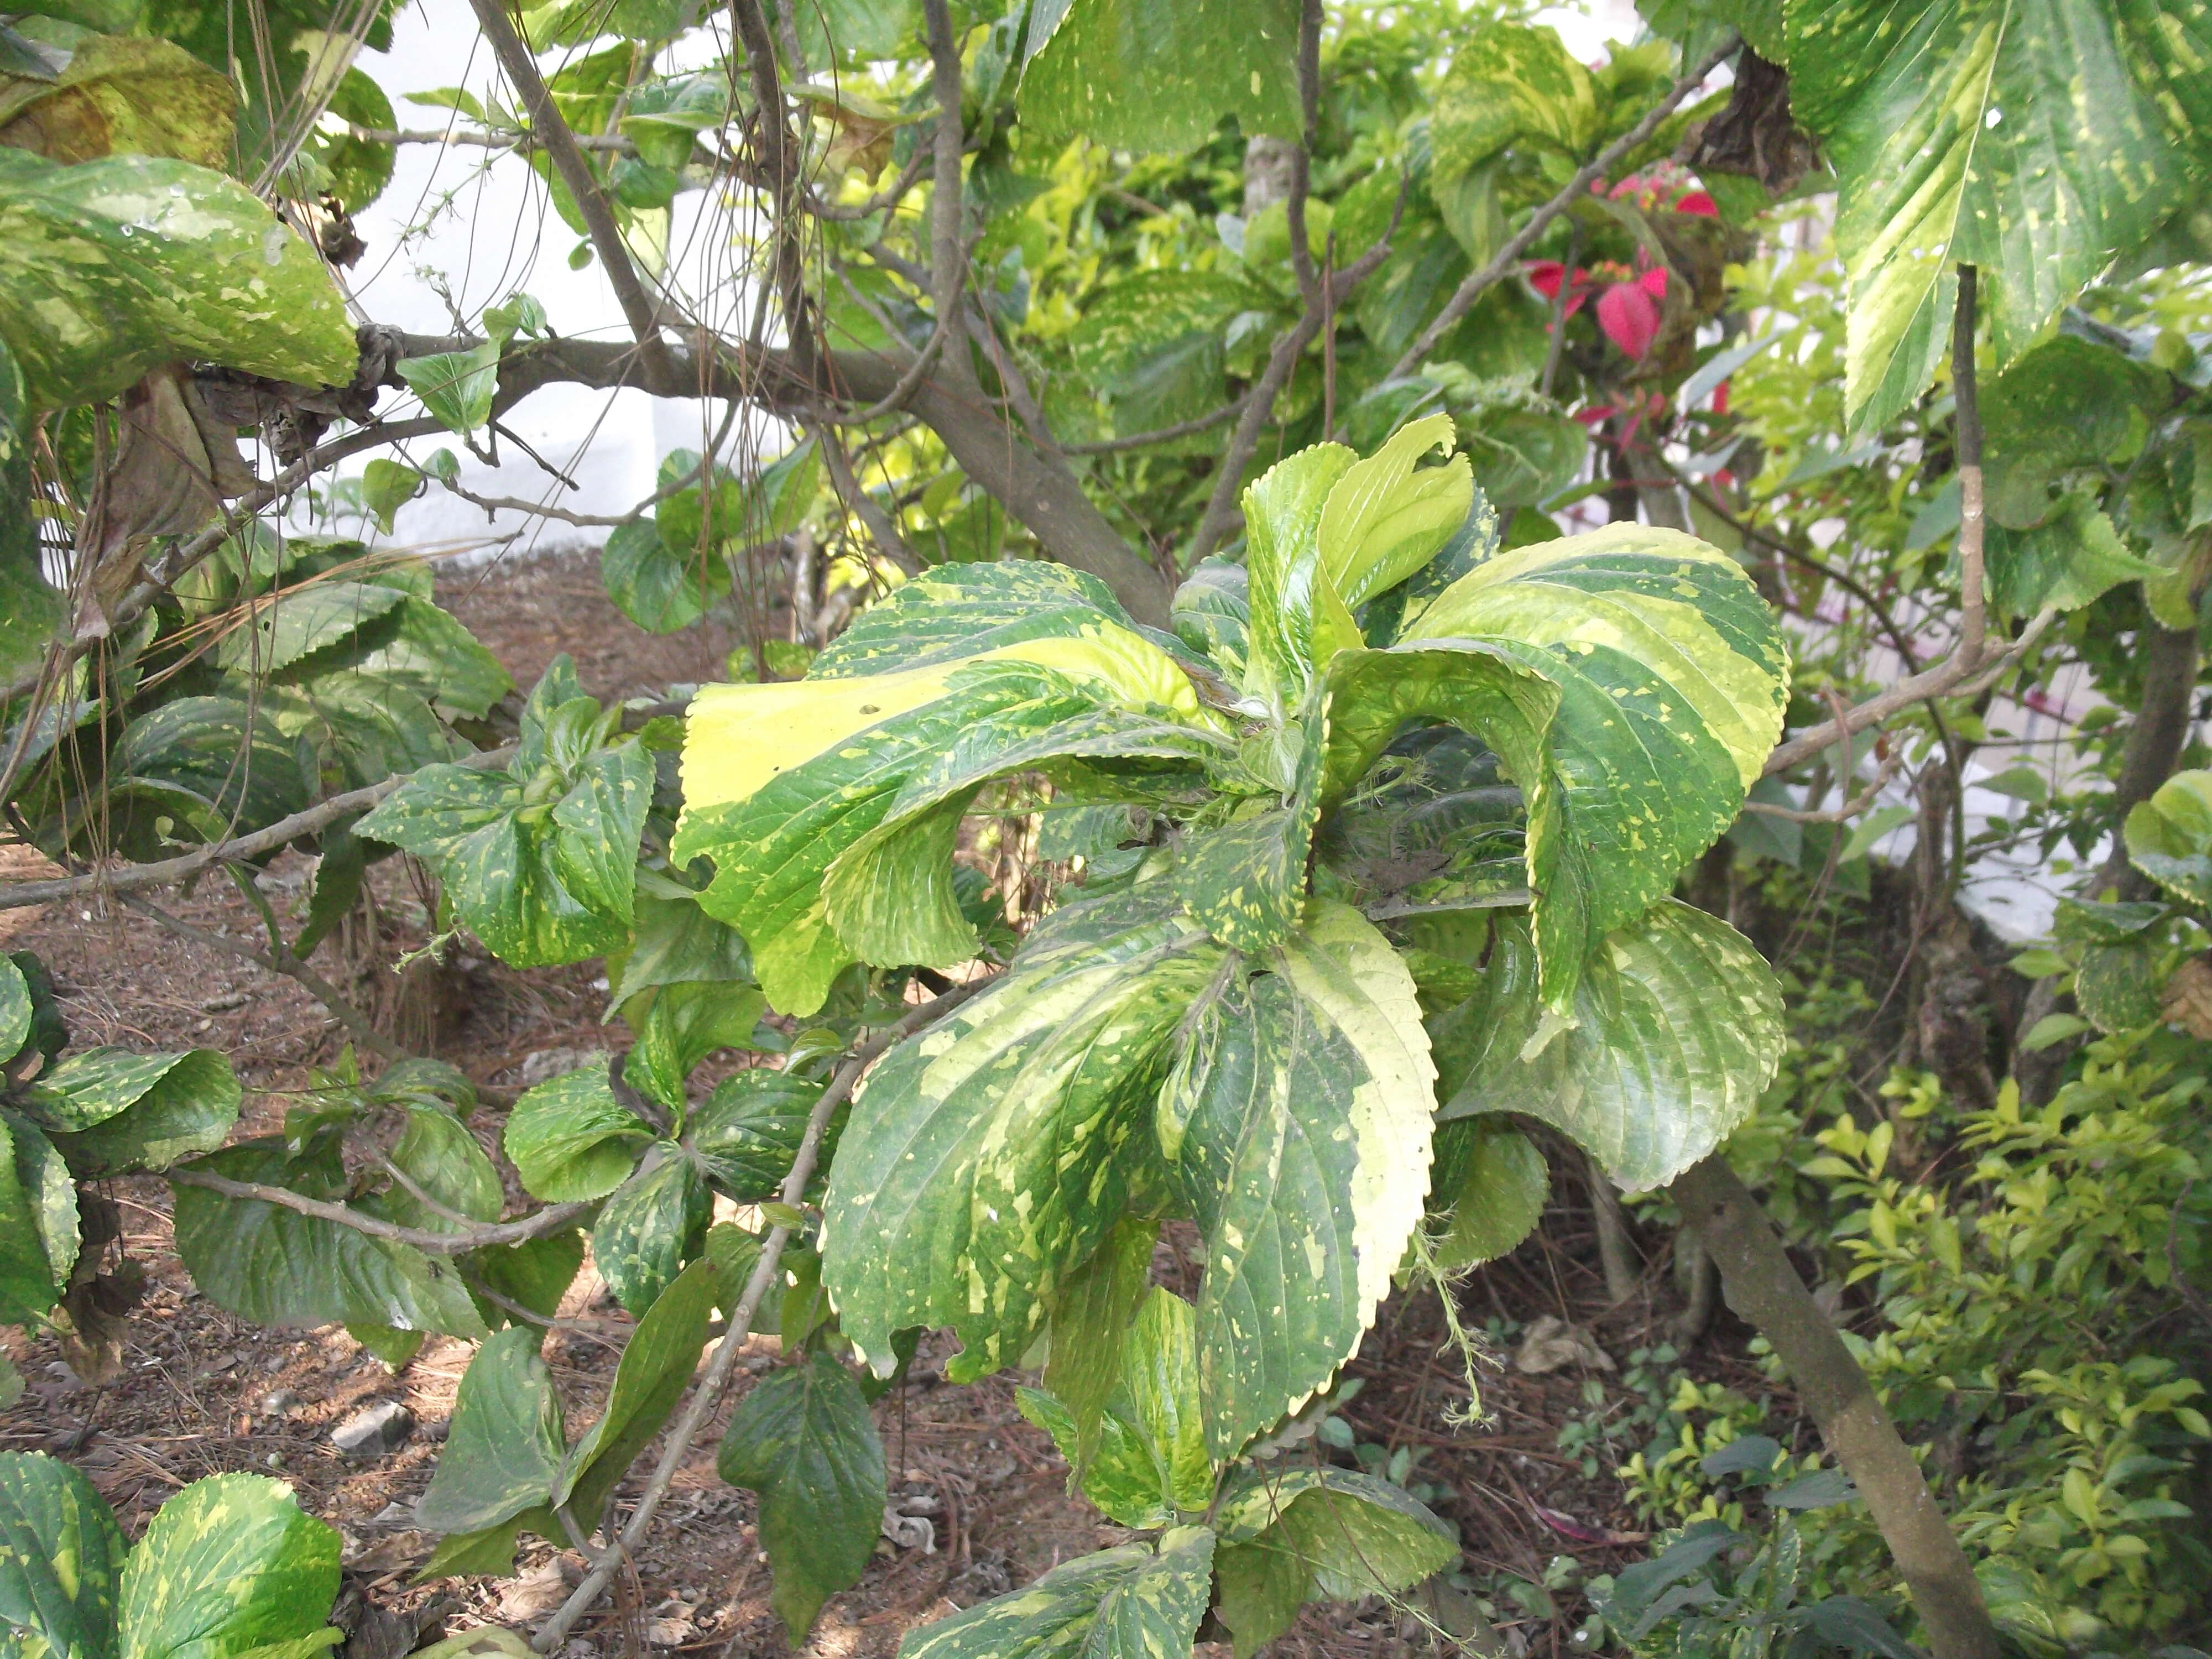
(195, 1396)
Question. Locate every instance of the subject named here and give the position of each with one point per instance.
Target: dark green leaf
(536, 1273)
(437, 1153)
(658, 587)
(2066, 562)
(954, 1199)
(679, 1025)
(747, 1131)
(656, 1367)
(60, 1560)
(1297, 1120)
(114, 1111)
(504, 1446)
(1090, 1319)
(15, 1010)
(804, 1440)
(32, 611)
(276, 1267)
(287, 626)
(1492, 1182)
(39, 1235)
(645, 1230)
(1353, 1535)
(1245, 882)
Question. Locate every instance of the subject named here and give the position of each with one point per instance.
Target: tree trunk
(1764, 1289)
(1616, 1251)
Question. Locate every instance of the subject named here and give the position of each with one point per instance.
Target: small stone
(373, 1433)
(280, 1402)
(275, 1460)
(224, 1004)
(551, 1063)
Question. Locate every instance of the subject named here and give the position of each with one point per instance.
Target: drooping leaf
(571, 1140)
(1160, 1370)
(276, 1267)
(1676, 1030)
(1352, 1534)
(659, 588)
(679, 1025)
(1491, 1182)
(656, 1367)
(1121, 1474)
(112, 267)
(112, 1111)
(228, 1566)
(437, 1153)
(1303, 1102)
(1156, 74)
(119, 96)
(2169, 837)
(804, 1440)
(39, 1235)
(747, 1132)
(1671, 679)
(640, 1240)
(674, 942)
(1136, 1599)
(60, 1560)
(2032, 139)
(504, 1444)
(982, 1160)
(780, 780)
(1090, 1318)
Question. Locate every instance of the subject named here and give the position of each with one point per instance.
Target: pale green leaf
(2169, 836)
(1157, 75)
(1160, 1370)
(1132, 1602)
(803, 1439)
(228, 1565)
(111, 267)
(1384, 520)
(120, 94)
(385, 487)
(1291, 617)
(1675, 1032)
(1350, 1534)
(456, 388)
(1120, 1473)
(1510, 83)
(15, 1011)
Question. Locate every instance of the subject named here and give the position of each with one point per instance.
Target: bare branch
(567, 158)
(474, 138)
(1164, 435)
(708, 1395)
(1972, 595)
(551, 1219)
(1502, 265)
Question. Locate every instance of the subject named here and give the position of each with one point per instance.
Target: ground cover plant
(1329, 608)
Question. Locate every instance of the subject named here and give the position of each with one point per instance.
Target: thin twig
(551, 1219)
(286, 963)
(780, 155)
(472, 137)
(567, 158)
(856, 499)
(238, 849)
(912, 175)
(1227, 412)
(708, 1395)
(1508, 257)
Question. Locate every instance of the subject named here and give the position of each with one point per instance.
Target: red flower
(1630, 316)
(1545, 276)
(1699, 202)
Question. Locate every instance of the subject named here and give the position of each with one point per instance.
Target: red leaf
(1629, 317)
(1545, 276)
(1654, 283)
(1699, 202)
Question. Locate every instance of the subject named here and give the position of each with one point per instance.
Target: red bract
(1699, 202)
(1630, 316)
(1654, 283)
(1545, 276)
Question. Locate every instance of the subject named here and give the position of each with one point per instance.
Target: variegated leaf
(2032, 139)
(1133, 1602)
(780, 780)
(1672, 679)
(959, 610)
(112, 1110)
(1676, 1029)
(1297, 1125)
(1384, 520)
(646, 1228)
(571, 1140)
(984, 1156)
(61, 1561)
(111, 267)
(2169, 837)
(228, 1565)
